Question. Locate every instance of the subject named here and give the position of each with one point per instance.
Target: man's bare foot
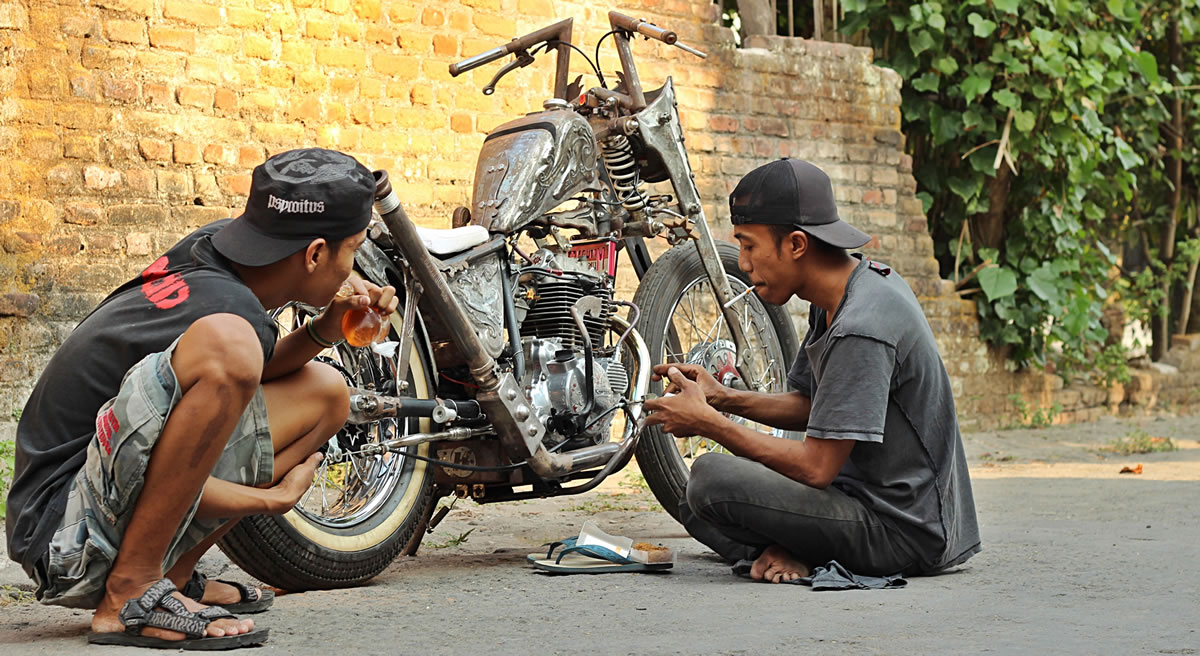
(220, 594)
(776, 565)
(106, 619)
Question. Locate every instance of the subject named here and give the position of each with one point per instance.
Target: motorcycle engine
(555, 379)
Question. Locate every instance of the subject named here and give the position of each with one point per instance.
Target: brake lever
(523, 59)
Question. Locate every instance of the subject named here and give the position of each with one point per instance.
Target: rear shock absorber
(623, 170)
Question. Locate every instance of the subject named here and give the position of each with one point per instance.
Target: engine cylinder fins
(618, 376)
(549, 315)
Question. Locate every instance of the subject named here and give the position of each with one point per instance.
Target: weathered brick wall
(126, 123)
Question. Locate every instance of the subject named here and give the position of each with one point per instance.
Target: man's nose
(744, 262)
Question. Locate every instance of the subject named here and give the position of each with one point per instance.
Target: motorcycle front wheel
(361, 511)
(681, 322)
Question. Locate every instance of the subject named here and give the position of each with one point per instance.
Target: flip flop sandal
(565, 542)
(140, 613)
(253, 600)
(594, 559)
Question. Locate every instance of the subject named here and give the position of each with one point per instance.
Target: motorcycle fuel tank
(529, 166)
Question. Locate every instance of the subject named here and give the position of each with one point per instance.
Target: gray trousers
(738, 507)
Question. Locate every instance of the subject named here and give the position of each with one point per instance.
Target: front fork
(659, 126)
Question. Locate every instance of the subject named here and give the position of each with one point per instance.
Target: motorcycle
(509, 366)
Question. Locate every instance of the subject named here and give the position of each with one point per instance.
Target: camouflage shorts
(101, 499)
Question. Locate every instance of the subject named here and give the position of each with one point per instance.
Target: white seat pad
(455, 240)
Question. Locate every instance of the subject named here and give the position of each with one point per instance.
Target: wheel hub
(719, 357)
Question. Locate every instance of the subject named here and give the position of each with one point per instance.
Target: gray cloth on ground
(832, 576)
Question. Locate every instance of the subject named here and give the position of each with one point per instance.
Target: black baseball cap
(793, 192)
(296, 197)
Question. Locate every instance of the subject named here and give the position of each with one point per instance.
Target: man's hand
(714, 392)
(295, 483)
(687, 413)
(362, 294)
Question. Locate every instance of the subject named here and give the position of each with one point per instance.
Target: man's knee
(222, 349)
(330, 387)
(709, 476)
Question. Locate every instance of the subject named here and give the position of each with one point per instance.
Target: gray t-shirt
(875, 376)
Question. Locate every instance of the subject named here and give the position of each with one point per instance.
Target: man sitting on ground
(880, 482)
(172, 411)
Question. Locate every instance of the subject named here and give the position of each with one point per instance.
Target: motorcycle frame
(500, 394)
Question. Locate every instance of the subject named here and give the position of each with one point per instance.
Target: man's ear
(797, 242)
(316, 253)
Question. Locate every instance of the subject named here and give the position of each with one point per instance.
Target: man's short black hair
(781, 232)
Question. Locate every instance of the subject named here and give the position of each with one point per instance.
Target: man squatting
(880, 482)
(172, 411)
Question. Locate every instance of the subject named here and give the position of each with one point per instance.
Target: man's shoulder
(880, 305)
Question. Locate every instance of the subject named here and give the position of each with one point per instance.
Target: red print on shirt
(164, 290)
(106, 426)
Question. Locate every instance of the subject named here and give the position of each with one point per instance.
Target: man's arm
(814, 462)
(787, 410)
(224, 500)
(295, 349)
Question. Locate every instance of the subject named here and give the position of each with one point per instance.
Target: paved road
(1096, 564)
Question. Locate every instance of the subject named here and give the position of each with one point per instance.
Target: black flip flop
(137, 614)
(253, 600)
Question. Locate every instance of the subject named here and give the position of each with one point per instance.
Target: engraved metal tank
(529, 166)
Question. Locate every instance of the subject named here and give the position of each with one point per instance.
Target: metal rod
(632, 81)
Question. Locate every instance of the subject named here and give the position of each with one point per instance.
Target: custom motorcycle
(512, 370)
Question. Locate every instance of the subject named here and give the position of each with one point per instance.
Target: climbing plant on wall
(1029, 160)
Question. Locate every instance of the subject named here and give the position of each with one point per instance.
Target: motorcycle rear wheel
(360, 513)
(676, 294)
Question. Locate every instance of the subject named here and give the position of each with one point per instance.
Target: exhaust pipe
(500, 395)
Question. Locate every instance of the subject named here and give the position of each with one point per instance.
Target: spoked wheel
(682, 322)
(361, 511)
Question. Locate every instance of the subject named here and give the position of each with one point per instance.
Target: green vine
(1030, 162)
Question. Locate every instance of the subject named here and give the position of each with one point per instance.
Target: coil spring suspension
(623, 170)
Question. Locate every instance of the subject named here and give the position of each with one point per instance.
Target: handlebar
(641, 26)
(560, 31)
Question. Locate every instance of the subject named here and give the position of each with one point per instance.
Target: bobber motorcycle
(512, 369)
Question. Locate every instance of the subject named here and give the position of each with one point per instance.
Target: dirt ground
(1078, 559)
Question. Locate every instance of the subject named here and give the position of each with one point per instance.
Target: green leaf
(1024, 120)
(983, 27)
(997, 282)
(946, 65)
(1006, 6)
(944, 124)
(964, 188)
(973, 87)
(937, 21)
(1116, 8)
(1044, 283)
(927, 82)
(1007, 98)
(926, 201)
(1129, 158)
(1148, 65)
(921, 42)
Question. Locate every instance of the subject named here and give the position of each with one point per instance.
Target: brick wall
(126, 123)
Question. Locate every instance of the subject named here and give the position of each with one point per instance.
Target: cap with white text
(296, 197)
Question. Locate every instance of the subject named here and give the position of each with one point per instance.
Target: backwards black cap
(296, 197)
(793, 192)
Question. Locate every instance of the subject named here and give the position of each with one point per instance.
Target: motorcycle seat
(454, 240)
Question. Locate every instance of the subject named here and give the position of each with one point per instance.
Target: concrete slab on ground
(1077, 559)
